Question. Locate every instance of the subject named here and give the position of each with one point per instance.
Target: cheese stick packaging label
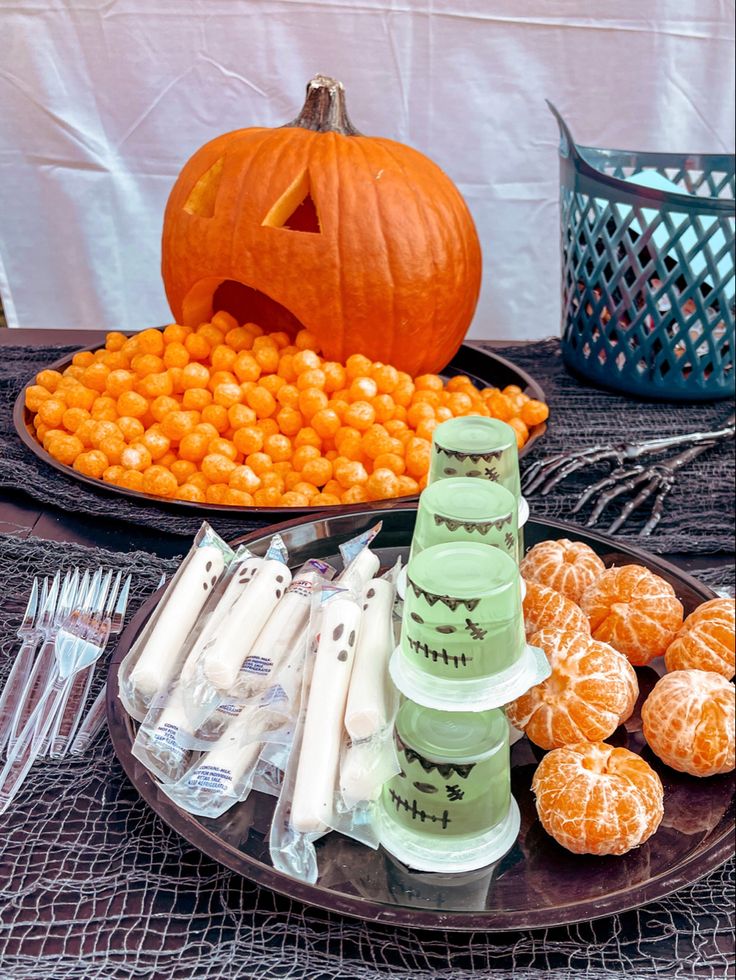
(352, 548)
(157, 654)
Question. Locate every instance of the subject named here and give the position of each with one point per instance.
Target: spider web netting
(93, 885)
(581, 416)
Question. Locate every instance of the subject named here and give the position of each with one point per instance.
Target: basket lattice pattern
(648, 287)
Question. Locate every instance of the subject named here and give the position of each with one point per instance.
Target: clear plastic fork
(70, 712)
(79, 642)
(29, 634)
(94, 720)
(58, 602)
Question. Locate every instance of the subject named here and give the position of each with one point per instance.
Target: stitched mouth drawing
(461, 660)
(416, 812)
(445, 769)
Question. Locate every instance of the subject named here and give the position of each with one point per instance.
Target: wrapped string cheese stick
(243, 573)
(316, 776)
(370, 693)
(165, 734)
(276, 657)
(218, 780)
(360, 563)
(369, 756)
(156, 656)
(225, 773)
(281, 637)
(223, 658)
(360, 570)
(365, 766)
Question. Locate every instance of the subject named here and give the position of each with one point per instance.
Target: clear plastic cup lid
(449, 855)
(471, 694)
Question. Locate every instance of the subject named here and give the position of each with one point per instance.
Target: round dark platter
(484, 368)
(538, 883)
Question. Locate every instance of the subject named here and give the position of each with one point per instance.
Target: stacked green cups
(461, 657)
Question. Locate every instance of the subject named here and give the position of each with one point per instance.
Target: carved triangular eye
(295, 209)
(201, 200)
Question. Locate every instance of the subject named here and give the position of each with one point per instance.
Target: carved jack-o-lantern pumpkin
(363, 241)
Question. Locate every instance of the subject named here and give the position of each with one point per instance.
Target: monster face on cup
(474, 446)
(462, 612)
(463, 509)
(451, 802)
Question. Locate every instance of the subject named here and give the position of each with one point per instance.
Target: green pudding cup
(450, 807)
(464, 509)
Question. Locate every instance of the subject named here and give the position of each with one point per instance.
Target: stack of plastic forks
(28, 678)
(75, 620)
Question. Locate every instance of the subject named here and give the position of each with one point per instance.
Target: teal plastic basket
(647, 243)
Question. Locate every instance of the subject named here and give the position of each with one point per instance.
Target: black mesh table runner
(94, 886)
(695, 521)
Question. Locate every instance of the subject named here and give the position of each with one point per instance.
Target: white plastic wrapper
(365, 765)
(165, 734)
(157, 655)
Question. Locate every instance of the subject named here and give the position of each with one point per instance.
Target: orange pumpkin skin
(390, 267)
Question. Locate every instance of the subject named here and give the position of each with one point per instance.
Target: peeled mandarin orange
(591, 691)
(634, 610)
(688, 721)
(593, 798)
(705, 640)
(566, 566)
(544, 608)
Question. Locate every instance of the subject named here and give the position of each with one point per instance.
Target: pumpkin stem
(324, 108)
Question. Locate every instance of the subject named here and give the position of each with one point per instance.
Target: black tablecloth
(698, 517)
(93, 885)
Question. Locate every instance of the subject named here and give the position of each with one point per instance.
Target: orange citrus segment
(545, 608)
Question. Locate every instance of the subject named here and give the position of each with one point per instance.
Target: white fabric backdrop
(102, 101)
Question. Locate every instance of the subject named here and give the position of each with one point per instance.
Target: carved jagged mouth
(246, 304)
(457, 661)
(445, 769)
(417, 813)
